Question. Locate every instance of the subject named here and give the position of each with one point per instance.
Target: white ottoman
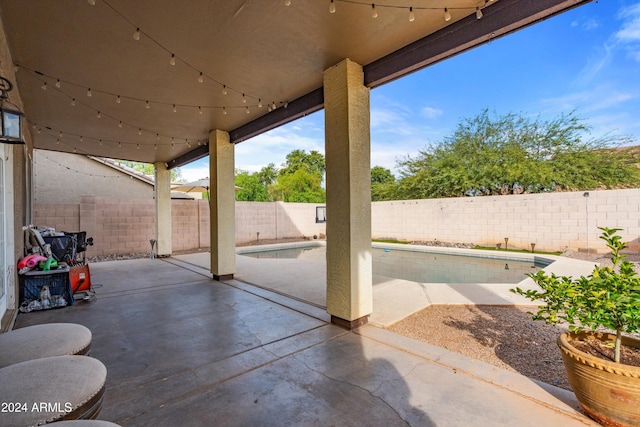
(51, 389)
(51, 339)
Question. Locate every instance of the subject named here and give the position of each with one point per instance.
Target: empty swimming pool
(427, 266)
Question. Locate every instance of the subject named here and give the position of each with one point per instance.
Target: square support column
(222, 204)
(162, 195)
(348, 161)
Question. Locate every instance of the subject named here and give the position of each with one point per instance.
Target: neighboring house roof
(136, 175)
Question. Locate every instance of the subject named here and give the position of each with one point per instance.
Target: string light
(118, 100)
(447, 15)
(248, 111)
(73, 102)
(44, 86)
(201, 77)
(412, 15)
(244, 99)
(58, 83)
(478, 12)
(374, 11)
(172, 60)
(147, 105)
(199, 110)
(287, 2)
(332, 7)
(174, 108)
(99, 115)
(224, 89)
(136, 34)
(224, 111)
(91, 2)
(120, 124)
(89, 94)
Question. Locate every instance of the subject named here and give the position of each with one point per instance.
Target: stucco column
(222, 205)
(162, 194)
(347, 152)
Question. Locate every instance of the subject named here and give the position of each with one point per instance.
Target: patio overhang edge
(500, 19)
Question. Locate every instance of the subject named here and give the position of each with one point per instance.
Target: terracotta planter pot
(608, 392)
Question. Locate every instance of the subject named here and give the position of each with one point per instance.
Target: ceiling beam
(500, 18)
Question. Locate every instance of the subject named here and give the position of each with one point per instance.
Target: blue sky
(587, 59)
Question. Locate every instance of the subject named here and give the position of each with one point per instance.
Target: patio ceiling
(262, 53)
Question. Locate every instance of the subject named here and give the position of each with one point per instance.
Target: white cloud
(431, 112)
(629, 34)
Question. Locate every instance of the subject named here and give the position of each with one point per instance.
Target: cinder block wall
(553, 221)
(126, 225)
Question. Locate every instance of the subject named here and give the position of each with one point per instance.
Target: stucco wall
(65, 178)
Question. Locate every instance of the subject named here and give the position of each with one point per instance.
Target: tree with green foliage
(300, 186)
(149, 169)
(313, 162)
(383, 184)
(252, 189)
(513, 154)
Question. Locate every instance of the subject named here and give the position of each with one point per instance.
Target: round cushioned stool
(35, 342)
(51, 389)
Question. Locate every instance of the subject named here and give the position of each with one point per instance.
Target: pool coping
(395, 299)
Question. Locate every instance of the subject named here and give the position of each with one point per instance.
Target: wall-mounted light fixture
(11, 116)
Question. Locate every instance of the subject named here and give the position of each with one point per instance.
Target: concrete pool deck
(182, 349)
(393, 299)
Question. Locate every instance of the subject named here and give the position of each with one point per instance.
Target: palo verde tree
(513, 153)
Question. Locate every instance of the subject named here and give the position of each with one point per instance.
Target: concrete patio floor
(182, 349)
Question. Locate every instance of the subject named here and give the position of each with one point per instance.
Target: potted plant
(607, 387)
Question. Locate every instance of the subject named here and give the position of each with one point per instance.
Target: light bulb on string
(119, 144)
(100, 143)
(58, 141)
(91, 2)
(199, 110)
(73, 102)
(60, 135)
(374, 11)
(136, 34)
(447, 15)
(147, 105)
(247, 109)
(120, 124)
(44, 86)
(224, 89)
(89, 94)
(412, 15)
(58, 84)
(244, 99)
(273, 106)
(139, 131)
(137, 147)
(478, 13)
(81, 138)
(99, 115)
(332, 7)
(224, 111)
(158, 136)
(172, 60)
(174, 108)
(287, 2)
(118, 100)
(155, 146)
(201, 77)
(259, 103)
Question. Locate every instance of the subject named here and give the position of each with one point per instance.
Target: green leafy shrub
(609, 297)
